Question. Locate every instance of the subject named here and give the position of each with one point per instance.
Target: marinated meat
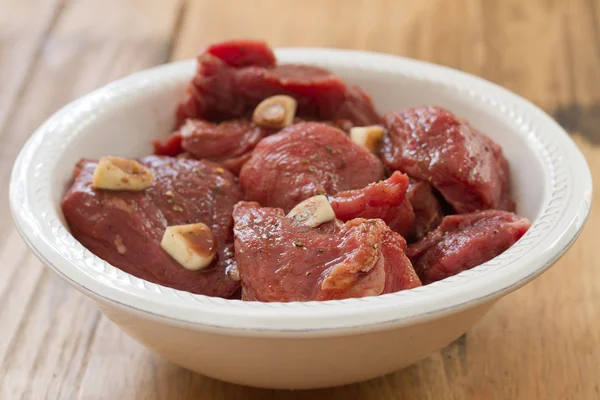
(464, 241)
(280, 260)
(171, 146)
(304, 160)
(464, 165)
(234, 77)
(228, 143)
(125, 228)
(243, 53)
(385, 200)
(347, 242)
(426, 206)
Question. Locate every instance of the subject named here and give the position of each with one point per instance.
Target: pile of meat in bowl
(283, 183)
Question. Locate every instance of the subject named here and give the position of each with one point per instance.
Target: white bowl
(311, 344)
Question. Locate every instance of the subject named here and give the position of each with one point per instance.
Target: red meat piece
(464, 165)
(426, 206)
(170, 146)
(184, 191)
(385, 200)
(243, 53)
(279, 260)
(228, 143)
(304, 160)
(464, 241)
(227, 87)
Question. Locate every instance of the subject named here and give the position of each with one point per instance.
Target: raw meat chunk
(228, 143)
(385, 200)
(464, 241)
(304, 160)
(464, 165)
(280, 260)
(243, 53)
(125, 228)
(171, 146)
(234, 77)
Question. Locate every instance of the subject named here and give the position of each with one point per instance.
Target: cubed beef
(125, 228)
(304, 160)
(464, 165)
(228, 143)
(464, 241)
(281, 260)
(385, 200)
(232, 78)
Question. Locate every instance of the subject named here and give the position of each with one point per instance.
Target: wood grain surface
(541, 342)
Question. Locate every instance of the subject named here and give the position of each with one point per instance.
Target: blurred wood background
(541, 342)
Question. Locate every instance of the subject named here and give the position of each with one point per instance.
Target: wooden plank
(21, 33)
(47, 328)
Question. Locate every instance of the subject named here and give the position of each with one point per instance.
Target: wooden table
(542, 342)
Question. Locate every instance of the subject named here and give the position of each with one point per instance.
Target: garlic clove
(313, 212)
(275, 112)
(193, 246)
(115, 173)
(367, 136)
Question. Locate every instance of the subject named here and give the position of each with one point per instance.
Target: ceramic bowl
(302, 344)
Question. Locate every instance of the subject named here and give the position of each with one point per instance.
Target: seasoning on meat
(275, 112)
(280, 260)
(367, 136)
(464, 241)
(193, 245)
(464, 165)
(115, 173)
(312, 212)
(125, 228)
(304, 160)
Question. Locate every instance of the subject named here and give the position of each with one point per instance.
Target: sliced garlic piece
(115, 173)
(275, 112)
(313, 211)
(193, 246)
(367, 136)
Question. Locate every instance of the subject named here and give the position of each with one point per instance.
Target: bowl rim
(566, 206)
